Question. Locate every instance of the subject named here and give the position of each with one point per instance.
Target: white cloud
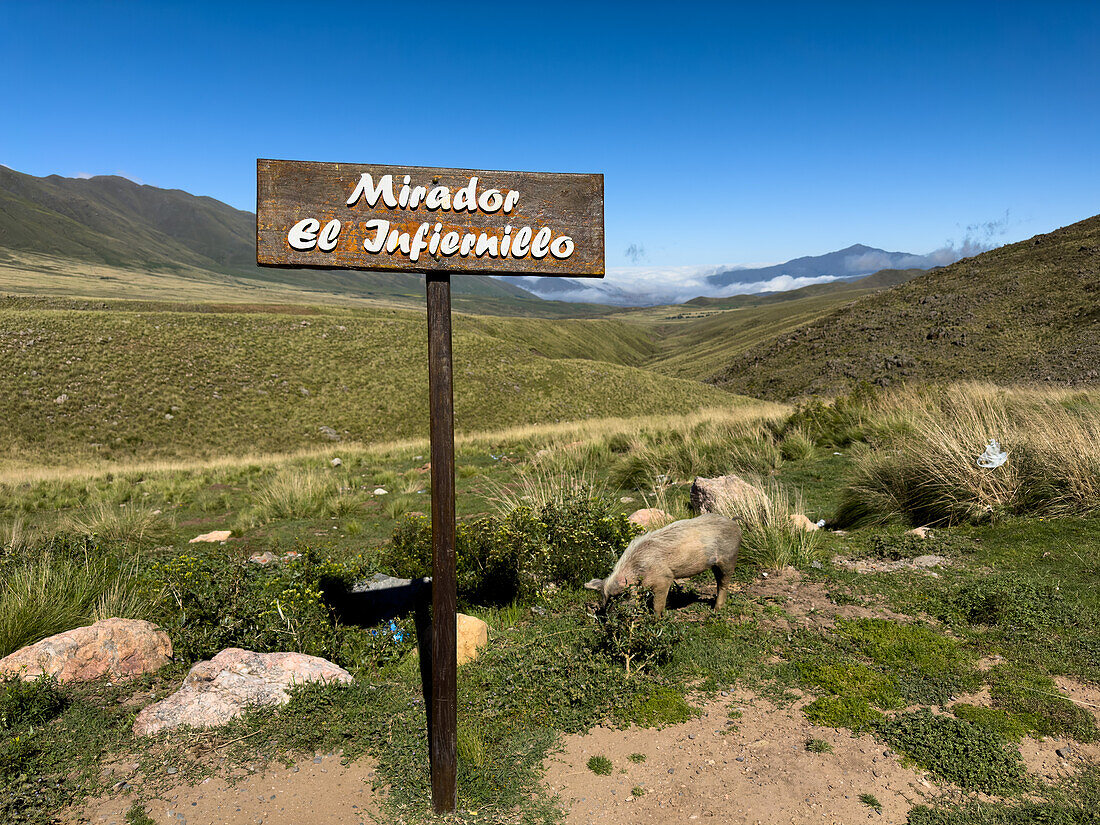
(84, 175)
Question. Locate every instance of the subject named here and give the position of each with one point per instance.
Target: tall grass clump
(294, 493)
(129, 524)
(58, 591)
(928, 473)
(770, 539)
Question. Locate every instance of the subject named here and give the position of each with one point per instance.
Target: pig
(676, 551)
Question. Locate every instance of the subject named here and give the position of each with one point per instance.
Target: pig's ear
(595, 584)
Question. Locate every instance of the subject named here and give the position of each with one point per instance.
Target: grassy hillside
(167, 234)
(115, 381)
(1024, 312)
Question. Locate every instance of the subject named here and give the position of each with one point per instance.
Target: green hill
(1029, 311)
(52, 226)
(102, 380)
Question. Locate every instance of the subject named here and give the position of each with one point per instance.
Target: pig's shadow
(680, 597)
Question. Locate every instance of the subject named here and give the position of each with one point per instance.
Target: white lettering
(417, 195)
(366, 188)
(490, 200)
(466, 197)
(542, 243)
(397, 239)
(510, 201)
(382, 227)
(438, 198)
(433, 244)
(329, 237)
(486, 244)
(506, 241)
(303, 235)
(521, 242)
(562, 247)
(468, 241)
(449, 244)
(418, 242)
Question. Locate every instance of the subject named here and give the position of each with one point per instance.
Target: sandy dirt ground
(317, 791)
(754, 769)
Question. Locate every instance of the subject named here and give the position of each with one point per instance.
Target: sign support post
(438, 222)
(443, 714)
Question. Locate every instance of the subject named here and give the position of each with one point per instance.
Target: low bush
(207, 602)
(632, 636)
(1035, 703)
(565, 542)
(852, 712)
(973, 757)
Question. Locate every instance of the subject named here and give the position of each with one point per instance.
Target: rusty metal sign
(424, 219)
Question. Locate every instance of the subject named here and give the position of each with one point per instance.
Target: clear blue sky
(728, 133)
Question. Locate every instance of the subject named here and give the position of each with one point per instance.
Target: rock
(329, 433)
(801, 522)
(1065, 752)
(929, 561)
(473, 634)
(213, 535)
(262, 558)
(220, 689)
(650, 518)
(119, 648)
(919, 532)
(545, 451)
(626, 500)
(61, 399)
(336, 462)
(725, 494)
(380, 491)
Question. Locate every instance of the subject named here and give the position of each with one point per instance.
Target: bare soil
(317, 791)
(754, 769)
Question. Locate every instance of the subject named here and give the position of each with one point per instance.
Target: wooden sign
(421, 219)
(435, 221)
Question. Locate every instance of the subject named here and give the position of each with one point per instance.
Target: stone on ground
(212, 536)
(118, 648)
(650, 518)
(473, 634)
(725, 494)
(919, 532)
(222, 688)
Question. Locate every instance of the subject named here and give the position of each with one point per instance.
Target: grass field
(119, 381)
(1020, 590)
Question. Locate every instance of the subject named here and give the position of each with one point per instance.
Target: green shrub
(835, 424)
(600, 765)
(128, 524)
(797, 445)
(848, 678)
(207, 602)
(973, 757)
(927, 667)
(659, 705)
(29, 703)
(871, 801)
(567, 541)
(818, 746)
(1006, 725)
(852, 712)
(1009, 601)
(631, 635)
(1035, 702)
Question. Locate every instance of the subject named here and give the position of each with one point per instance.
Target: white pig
(676, 551)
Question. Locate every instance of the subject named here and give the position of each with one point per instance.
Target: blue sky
(727, 133)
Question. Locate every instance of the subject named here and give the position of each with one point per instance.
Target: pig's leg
(722, 579)
(660, 594)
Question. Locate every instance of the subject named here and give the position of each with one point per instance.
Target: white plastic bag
(993, 456)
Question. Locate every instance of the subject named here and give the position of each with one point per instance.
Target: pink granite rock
(119, 648)
(222, 688)
(650, 518)
(725, 494)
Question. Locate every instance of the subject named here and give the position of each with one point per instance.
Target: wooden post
(443, 715)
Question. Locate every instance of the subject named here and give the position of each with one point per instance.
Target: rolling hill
(1026, 312)
(53, 225)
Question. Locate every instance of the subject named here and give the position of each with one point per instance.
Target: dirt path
(756, 770)
(320, 791)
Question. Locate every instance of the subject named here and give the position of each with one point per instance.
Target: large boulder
(221, 689)
(728, 495)
(118, 648)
